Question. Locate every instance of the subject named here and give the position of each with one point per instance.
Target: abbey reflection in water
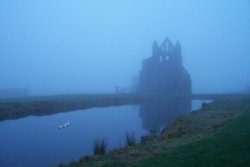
(163, 73)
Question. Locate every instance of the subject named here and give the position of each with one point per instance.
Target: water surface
(37, 141)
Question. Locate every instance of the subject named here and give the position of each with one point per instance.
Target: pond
(37, 141)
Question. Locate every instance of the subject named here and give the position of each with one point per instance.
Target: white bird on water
(64, 125)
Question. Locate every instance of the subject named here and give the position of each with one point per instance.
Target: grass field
(46, 105)
(216, 135)
(228, 148)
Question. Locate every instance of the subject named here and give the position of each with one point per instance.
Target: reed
(100, 146)
(130, 139)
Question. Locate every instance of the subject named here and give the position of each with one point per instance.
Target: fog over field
(92, 46)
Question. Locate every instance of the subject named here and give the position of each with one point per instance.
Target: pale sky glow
(91, 46)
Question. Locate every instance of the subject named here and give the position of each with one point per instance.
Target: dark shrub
(204, 104)
(130, 139)
(100, 147)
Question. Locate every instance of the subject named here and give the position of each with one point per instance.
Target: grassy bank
(39, 106)
(46, 105)
(216, 135)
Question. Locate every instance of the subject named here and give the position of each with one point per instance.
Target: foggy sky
(91, 46)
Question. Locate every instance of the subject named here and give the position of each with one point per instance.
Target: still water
(37, 141)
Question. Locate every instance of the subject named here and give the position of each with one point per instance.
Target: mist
(93, 46)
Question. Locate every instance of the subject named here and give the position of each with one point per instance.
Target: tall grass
(100, 146)
(130, 139)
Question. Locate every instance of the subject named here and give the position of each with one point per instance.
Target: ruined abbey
(163, 73)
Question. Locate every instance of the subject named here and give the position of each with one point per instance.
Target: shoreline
(199, 126)
(47, 105)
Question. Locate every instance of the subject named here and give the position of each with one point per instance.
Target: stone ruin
(163, 73)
